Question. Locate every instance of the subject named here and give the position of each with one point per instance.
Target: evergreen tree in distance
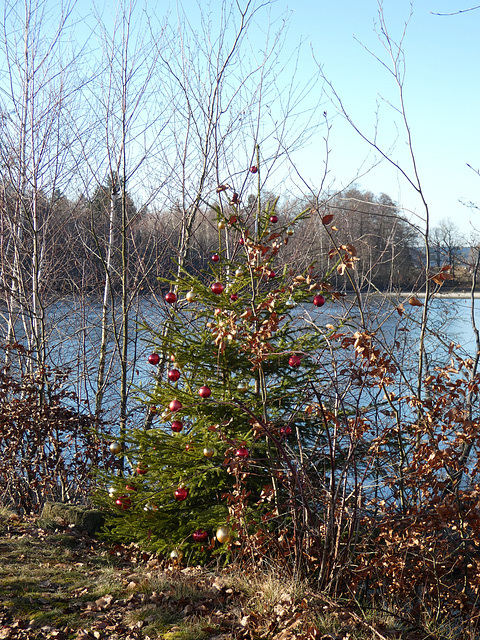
(230, 407)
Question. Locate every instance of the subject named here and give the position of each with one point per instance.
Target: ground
(59, 583)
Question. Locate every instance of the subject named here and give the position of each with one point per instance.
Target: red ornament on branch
(295, 360)
(242, 452)
(204, 392)
(319, 300)
(123, 502)
(170, 297)
(215, 257)
(175, 405)
(177, 426)
(273, 219)
(154, 358)
(181, 494)
(200, 535)
(253, 169)
(217, 288)
(173, 375)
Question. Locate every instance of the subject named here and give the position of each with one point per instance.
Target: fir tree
(230, 408)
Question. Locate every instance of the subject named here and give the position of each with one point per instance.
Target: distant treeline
(76, 236)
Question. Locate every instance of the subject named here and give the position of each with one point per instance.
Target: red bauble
(200, 535)
(181, 493)
(241, 452)
(241, 241)
(204, 392)
(319, 300)
(173, 375)
(253, 169)
(123, 502)
(271, 274)
(141, 471)
(175, 405)
(215, 257)
(177, 426)
(170, 297)
(234, 297)
(217, 288)
(273, 219)
(130, 487)
(154, 358)
(286, 431)
(295, 360)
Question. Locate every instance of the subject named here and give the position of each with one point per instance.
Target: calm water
(75, 330)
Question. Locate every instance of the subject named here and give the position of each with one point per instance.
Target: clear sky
(441, 92)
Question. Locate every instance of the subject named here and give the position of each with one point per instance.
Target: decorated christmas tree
(234, 372)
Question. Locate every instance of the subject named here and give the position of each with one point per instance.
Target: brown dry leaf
(415, 302)
(400, 309)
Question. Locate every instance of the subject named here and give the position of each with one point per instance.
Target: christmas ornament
(170, 297)
(239, 273)
(286, 431)
(181, 494)
(204, 392)
(217, 288)
(223, 534)
(215, 257)
(130, 487)
(295, 360)
(172, 357)
(177, 426)
(208, 452)
(241, 452)
(123, 502)
(221, 224)
(273, 219)
(319, 300)
(175, 405)
(189, 447)
(154, 358)
(253, 169)
(176, 555)
(271, 274)
(241, 241)
(141, 470)
(242, 387)
(234, 297)
(173, 375)
(115, 447)
(290, 303)
(200, 535)
(191, 296)
(289, 231)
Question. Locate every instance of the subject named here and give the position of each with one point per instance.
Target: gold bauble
(190, 296)
(289, 231)
(208, 452)
(221, 224)
(223, 534)
(115, 447)
(176, 555)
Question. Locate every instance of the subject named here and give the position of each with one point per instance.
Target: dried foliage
(48, 448)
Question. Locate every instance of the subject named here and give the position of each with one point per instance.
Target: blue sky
(441, 92)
